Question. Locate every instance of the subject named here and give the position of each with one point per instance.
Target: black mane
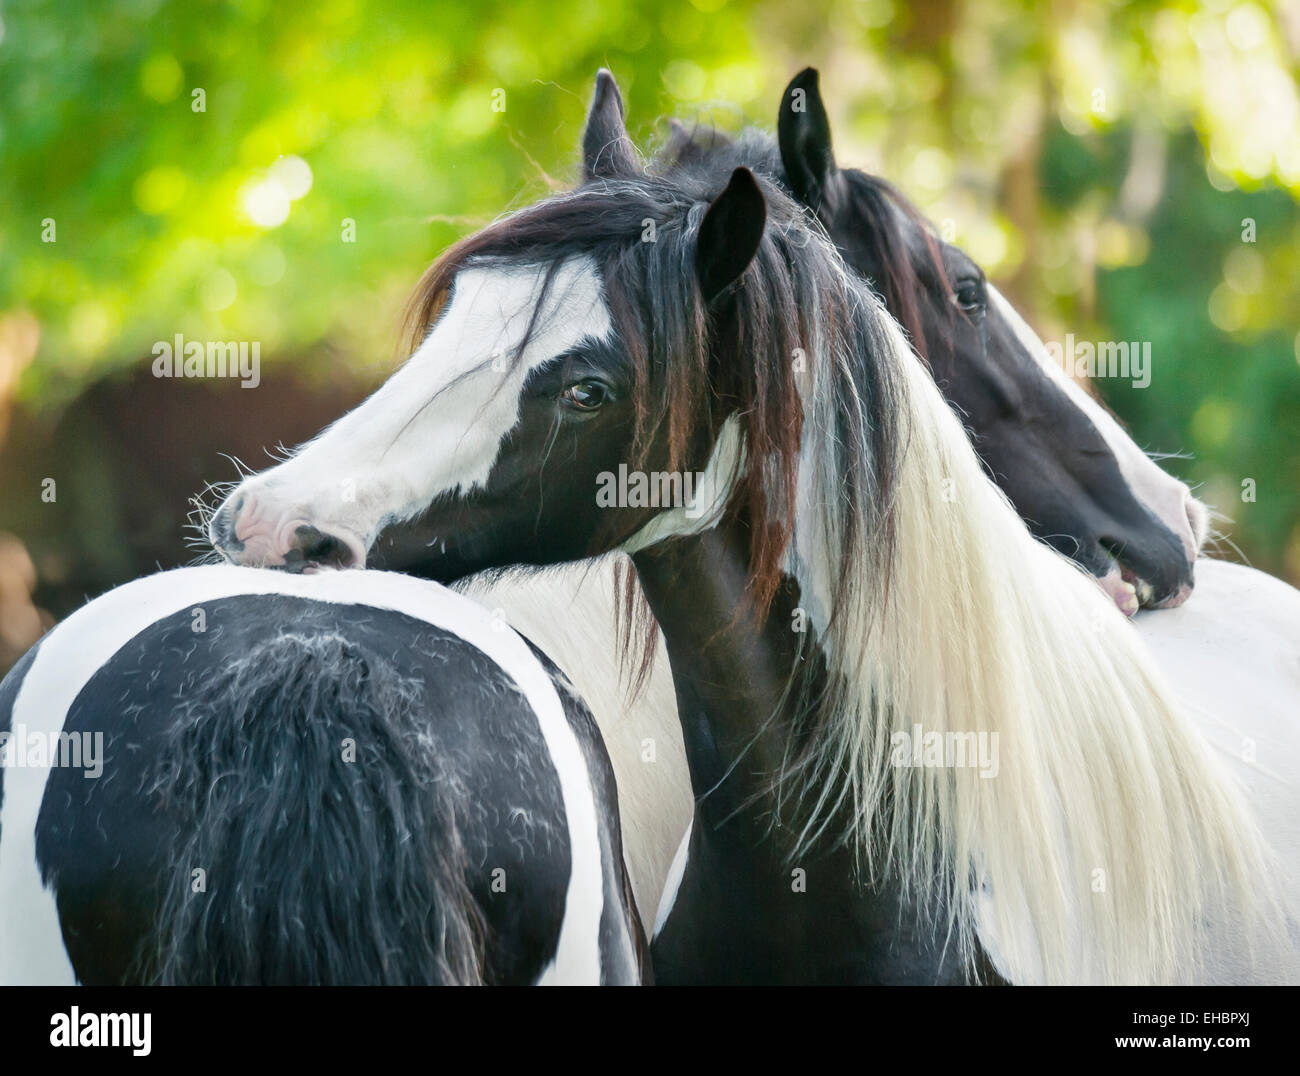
(882, 208)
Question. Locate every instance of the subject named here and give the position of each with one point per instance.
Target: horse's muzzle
(246, 532)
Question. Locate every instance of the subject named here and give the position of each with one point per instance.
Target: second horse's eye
(968, 296)
(585, 395)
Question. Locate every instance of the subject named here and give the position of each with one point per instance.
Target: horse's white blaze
(437, 424)
(1168, 499)
(31, 948)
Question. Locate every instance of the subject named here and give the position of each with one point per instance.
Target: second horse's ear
(730, 234)
(607, 152)
(804, 134)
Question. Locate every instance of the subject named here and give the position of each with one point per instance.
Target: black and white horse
(1233, 654)
(1076, 478)
(220, 775)
(844, 581)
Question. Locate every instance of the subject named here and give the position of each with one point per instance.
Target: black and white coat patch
(519, 787)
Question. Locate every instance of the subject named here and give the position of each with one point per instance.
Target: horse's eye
(968, 296)
(586, 395)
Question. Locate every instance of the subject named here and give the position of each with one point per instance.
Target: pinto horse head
(548, 349)
(1073, 474)
(1077, 479)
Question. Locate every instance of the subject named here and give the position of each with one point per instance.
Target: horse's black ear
(804, 134)
(730, 234)
(607, 152)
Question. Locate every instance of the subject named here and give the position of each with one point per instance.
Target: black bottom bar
(596, 1027)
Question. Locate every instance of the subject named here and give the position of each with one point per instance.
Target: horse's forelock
(887, 209)
(589, 220)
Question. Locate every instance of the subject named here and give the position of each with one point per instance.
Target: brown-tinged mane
(692, 365)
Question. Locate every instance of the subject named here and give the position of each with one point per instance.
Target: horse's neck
(750, 905)
(730, 674)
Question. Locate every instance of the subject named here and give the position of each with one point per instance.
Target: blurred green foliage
(1100, 160)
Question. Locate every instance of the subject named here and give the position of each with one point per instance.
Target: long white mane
(1109, 838)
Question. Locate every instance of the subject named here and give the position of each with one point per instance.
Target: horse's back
(1232, 656)
(396, 698)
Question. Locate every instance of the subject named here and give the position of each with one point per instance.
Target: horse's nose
(249, 529)
(1179, 584)
(311, 547)
(1154, 561)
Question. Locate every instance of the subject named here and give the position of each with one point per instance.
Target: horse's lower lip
(1123, 586)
